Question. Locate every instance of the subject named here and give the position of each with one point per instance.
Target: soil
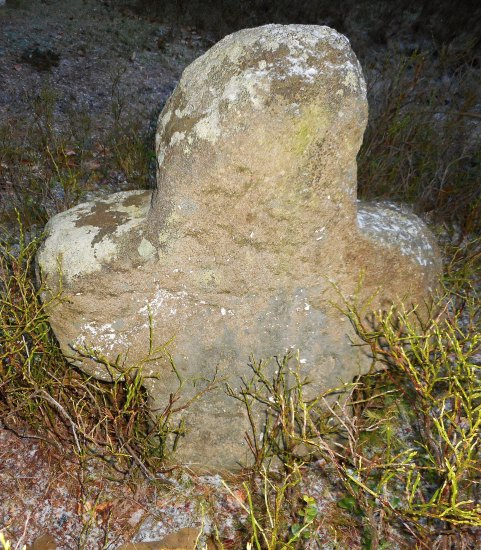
(46, 492)
(80, 48)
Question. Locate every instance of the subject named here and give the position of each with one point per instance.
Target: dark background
(378, 20)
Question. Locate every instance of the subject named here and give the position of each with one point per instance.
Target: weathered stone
(183, 539)
(253, 222)
(43, 542)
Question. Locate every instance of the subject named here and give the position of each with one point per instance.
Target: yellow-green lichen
(312, 126)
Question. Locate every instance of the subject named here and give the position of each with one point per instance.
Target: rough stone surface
(43, 542)
(183, 539)
(238, 251)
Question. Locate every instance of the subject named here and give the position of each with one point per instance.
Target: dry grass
(45, 169)
(421, 146)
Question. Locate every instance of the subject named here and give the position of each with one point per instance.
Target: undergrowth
(48, 165)
(421, 145)
(404, 440)
(44, 395)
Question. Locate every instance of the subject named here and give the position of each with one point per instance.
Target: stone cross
(237, 251)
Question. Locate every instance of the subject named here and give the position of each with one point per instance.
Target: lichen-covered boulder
(238, 251)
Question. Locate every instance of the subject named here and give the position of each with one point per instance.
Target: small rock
(43, 542)
(183, 539)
